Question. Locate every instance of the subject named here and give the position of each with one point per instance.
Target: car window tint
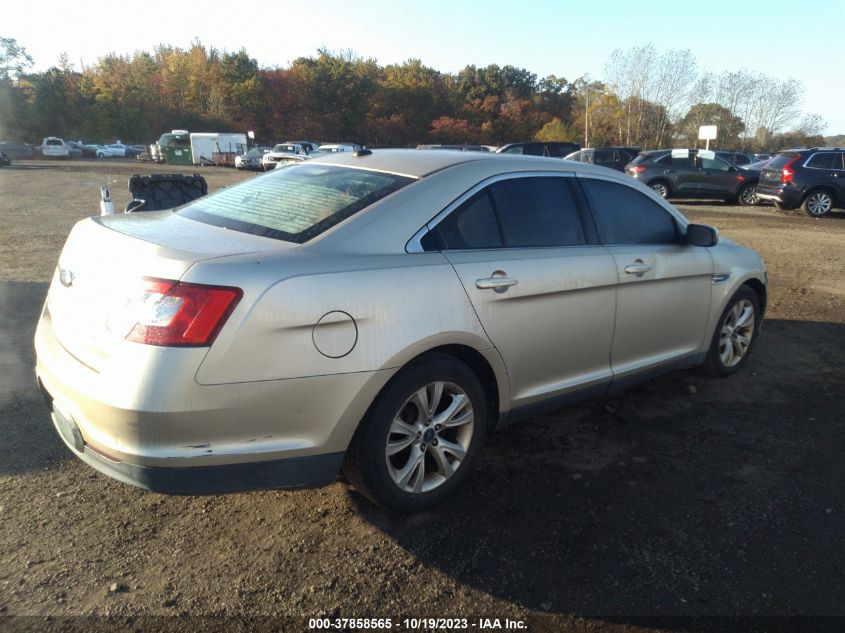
(517, 149)
(674, 162)
(822, 160)
(741, 159)
(839, 163)
(715, 164)
(626, 216)
(537, 212)
(535, 149)
(471, 225)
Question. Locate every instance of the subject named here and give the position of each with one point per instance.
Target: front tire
(818, 204)
(735, 334)
(419, 439)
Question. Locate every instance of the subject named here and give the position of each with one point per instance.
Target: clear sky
(782, 38)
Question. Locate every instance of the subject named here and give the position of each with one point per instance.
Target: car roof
(420, 163)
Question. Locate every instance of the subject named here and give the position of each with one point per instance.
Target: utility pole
(587, 118)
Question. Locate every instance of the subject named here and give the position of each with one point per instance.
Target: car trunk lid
(103, 261)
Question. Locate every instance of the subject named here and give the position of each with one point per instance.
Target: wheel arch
(759, 289)
(826, 188)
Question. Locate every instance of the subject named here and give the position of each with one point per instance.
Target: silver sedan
(377, 312)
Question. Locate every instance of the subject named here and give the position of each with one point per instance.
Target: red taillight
(787, 174)
(172, 313)
(740, 178)
(637, 169)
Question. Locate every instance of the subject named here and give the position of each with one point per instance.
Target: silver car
(378, 312)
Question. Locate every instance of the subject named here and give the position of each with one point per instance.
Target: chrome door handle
(637, 269)
(495, 283)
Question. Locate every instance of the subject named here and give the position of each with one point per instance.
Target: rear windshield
(779, 161)
(296, 203)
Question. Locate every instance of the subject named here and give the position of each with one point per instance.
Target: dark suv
(694, 174)
(813, 179)
(612, 157)
(554, 149)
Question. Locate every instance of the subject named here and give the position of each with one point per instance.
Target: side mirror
(701, 235)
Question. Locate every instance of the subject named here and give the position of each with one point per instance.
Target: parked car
(333, 148)
(813, 179)
(612, 157)
(280, 151)
(13, 149)
(691, 173)
(308, 146)
(290, 159)
(135, 150)
(251, 159)
(380, 311)
(77, 150)
(460, 148)
(107, 151)
(54, 147)
(553, 149)
(762, 156)
(737, 158)
(5, 161)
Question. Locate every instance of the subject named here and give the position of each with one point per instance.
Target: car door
(682, 174)
(542, 288)
(825, 169)
(718, 178)
(664, 284)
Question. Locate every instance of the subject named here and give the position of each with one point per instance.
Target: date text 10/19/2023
(414, 624)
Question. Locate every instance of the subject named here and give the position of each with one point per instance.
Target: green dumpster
(176, 155)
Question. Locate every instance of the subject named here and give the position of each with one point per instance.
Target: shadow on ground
(663, 502)
(29, 440)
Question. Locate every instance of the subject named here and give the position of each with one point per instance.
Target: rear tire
(661, 187)
(735, 334)
(818, 203)
(747, 196)
(417, 442)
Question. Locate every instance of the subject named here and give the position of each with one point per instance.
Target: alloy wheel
(661, 189)
(429, 437)
(819, 203)
(736, 333)
(749, 195)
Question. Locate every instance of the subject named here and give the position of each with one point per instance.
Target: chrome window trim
(414, 244)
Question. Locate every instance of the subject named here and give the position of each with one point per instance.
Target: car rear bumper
(784, 196)
(293, 472)
(187, 438)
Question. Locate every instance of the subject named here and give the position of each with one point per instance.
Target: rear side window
(839, 162)
(513, 213)
(296, 203)
(822, 160)
(626, 216)
(674, 162)
(741, 159)
(537, 212)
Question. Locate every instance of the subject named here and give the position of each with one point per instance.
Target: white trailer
(216, 147)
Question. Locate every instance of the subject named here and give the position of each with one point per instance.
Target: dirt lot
(664, 508)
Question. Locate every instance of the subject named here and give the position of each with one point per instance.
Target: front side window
(516, 149)
(294, 204)
(715, 164)
(675, 162)
(626, 216)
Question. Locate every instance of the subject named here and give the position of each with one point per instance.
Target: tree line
(646, 98)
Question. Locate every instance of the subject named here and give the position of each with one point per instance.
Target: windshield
(290, 149)
(167, 140)
(255, 153)
(296, 203)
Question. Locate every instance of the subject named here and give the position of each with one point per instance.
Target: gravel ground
(667, 507)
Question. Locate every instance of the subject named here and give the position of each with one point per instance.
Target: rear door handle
(495, 283)
(637, 269)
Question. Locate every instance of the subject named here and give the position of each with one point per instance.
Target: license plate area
(67, 427)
